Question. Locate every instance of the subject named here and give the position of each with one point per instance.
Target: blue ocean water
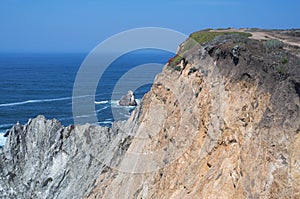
(34, 84)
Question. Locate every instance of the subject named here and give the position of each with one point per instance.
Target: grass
(175, 61)
(205, 36)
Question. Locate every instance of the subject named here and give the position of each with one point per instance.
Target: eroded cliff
(223, 123)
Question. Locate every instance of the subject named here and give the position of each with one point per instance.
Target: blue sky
(79, 25)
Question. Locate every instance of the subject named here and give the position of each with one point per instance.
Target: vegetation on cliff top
(200, 37)
(207, 36)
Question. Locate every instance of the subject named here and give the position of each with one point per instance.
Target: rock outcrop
(226, 125)
(43, 159)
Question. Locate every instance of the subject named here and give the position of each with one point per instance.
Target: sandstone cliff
(223, 123)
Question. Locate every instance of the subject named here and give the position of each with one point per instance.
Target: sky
(79, 25)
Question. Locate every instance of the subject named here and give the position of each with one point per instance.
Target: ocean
(34, 84)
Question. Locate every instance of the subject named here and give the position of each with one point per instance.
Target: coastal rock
(128, 100)
(43, 159)
(214, 129)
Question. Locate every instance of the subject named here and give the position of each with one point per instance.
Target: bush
(177, 68)
(284, 61)
(273, 44)
(228, 28)
(192, 70)
(281, 70)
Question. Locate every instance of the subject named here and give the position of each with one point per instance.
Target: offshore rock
(128, 100)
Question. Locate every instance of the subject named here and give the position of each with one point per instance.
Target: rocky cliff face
(223, 123)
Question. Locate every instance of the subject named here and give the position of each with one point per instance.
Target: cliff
(223, 122)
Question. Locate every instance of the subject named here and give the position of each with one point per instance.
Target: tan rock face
(213, 130)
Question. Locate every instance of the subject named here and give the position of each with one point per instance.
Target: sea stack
(128, 99)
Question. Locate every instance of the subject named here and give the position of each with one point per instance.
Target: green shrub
(224, 28)
(177, 68)
(281, 70)
(284, 61)
(192, 70)
(273, 44)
